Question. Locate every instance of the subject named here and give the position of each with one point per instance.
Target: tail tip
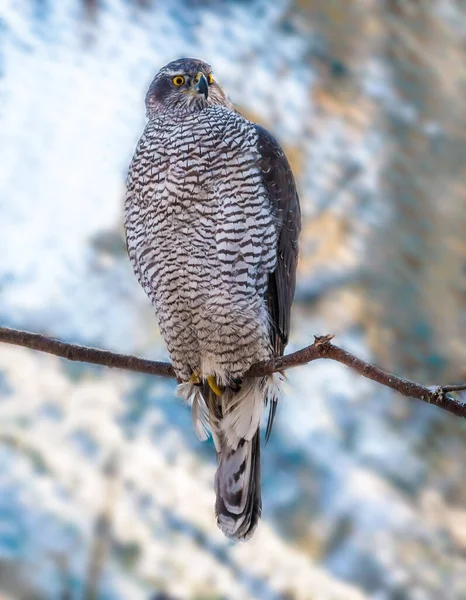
(239, 530)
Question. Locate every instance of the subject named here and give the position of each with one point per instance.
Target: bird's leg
(217, 390)
(194, 379)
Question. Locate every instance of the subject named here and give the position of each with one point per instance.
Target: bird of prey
(212, 221)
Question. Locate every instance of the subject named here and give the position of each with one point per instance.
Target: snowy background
(105, 492)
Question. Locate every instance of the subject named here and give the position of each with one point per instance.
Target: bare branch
(42, 343)
(321, 348)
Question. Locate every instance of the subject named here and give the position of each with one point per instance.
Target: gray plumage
(212, 220)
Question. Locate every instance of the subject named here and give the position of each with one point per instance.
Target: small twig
(321, 348)
(460, 387)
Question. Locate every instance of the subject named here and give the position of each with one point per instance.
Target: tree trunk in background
(416, 286)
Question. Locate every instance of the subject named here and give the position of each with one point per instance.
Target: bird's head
(184, 85)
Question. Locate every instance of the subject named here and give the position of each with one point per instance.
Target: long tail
(238, 489)
(234, 420)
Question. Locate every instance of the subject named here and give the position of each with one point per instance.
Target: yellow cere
(178, 80)
(210, 78)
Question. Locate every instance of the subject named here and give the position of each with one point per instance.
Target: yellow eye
(210, 78)
(178, 80)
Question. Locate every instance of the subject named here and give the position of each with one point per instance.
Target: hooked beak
(200, 84)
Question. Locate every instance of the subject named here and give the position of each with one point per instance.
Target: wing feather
(279, 183)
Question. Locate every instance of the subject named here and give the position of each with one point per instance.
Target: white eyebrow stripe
(174, 72)
(171, 72)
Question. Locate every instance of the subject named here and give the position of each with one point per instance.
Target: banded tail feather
(238, 489)
(234, 421)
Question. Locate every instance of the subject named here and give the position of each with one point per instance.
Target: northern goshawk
(212, 221)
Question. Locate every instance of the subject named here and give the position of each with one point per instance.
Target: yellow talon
(218, 391)
(194, 379)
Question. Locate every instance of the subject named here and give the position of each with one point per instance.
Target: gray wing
(279, 183)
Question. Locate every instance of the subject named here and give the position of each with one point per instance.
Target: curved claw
(235, 384)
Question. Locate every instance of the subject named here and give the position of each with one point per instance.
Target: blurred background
(105, 492)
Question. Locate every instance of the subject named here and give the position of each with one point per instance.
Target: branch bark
(321, 348)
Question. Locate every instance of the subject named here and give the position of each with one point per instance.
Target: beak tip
(202, 87)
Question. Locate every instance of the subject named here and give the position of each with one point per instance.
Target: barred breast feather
(202, 239)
